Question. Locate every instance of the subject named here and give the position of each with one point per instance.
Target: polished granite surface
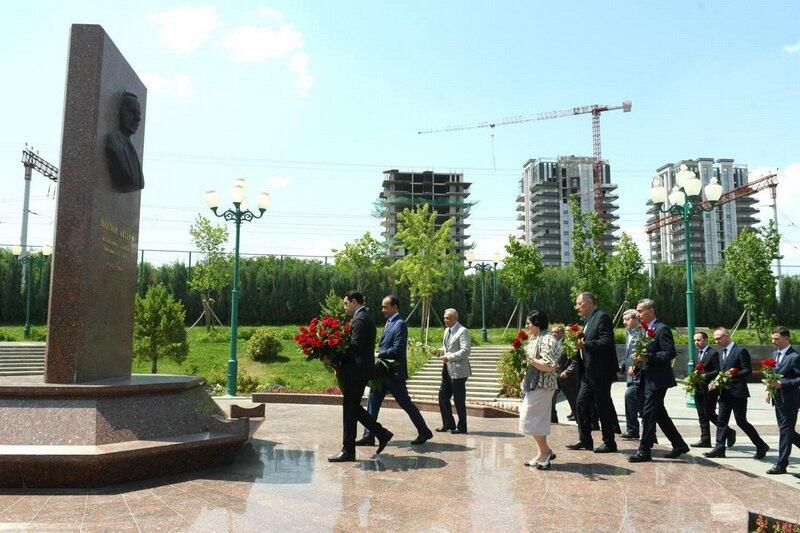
(473, 482)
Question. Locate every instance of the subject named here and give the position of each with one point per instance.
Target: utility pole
(32, 161)
(773, 194)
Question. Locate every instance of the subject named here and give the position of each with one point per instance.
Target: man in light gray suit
(454, 354)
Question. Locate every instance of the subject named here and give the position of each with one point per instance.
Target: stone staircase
(482, 385)
(22, 358)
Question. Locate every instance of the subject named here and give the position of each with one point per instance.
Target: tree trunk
(425, 305)
(154, 363)
(207, 313)
(520, 315)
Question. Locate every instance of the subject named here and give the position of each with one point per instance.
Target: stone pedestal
(111, 431)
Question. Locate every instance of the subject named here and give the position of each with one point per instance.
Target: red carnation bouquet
(572, 334)
(324, 339)
(770, 375)
(723, 380)
(695, 380)
(639, 346)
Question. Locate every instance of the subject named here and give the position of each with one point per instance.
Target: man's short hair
(630, 313)
(588, 296)
(702, 334)
(451, 311)
(559, 327)
(647, 303)
(724, 331)
(394, 300)
(783, 331)
(355, 295)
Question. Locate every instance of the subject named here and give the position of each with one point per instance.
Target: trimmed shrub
(246, 384)
(264, 345)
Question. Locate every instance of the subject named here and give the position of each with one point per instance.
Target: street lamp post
(482, 268)
(685, 200)
(238, 214)
(27, 260)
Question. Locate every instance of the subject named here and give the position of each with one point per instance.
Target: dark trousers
(570, 389)
(654, 413)
(597, 394)
(397, 387)
(787, 420)
(457, 390)
(353, 413)
(728, 403)
(634, 406)
(706, 406)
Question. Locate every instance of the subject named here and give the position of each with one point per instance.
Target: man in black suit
(393, 346)
(354, 370)
(787, 397)
(734, 397)
(705, 401)
(567, 381)
(597, 370)
(656, 378)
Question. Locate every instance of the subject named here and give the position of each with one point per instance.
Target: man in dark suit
(787, 397)
(354, 370)
(597, 370)
(705, 401)
(734, 397)
(393, 346)
(567, 381)
(656, 378)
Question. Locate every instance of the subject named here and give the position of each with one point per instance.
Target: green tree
(589, 257)
(213, 273)
(429, 255)
(626, 272)
(159, 329)
(523, 272)
(332, 306)
(361, 258)
(748, 258)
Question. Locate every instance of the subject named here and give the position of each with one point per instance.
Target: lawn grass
(290, 369)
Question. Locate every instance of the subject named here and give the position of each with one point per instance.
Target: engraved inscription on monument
(119, 243)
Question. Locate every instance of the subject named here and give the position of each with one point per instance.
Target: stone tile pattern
(475, 482)
(93, 281)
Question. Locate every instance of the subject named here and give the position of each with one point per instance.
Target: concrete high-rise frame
(712, 231)
(543, 212)
(445, 192)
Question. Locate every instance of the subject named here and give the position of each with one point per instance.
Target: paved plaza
(477, 482)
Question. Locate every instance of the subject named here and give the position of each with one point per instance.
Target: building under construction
(445, 193)
(712, 231)
(543, 211)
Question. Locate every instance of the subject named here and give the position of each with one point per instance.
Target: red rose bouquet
(324, 339)
(770, 375)
(723, 379)
(572, 334)
(695, 380)
(639, 346)
(513, 365)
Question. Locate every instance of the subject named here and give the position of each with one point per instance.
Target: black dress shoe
(422, 439)
(571, 417)
(458, 431)
(595, 427)
(606, 448)
(777, 469)
(554, 420)
(617, 431)
(716, 452)
(761, 452)
(580, 446)
(383, 439)
(702, 444)
(366, 441)
(630, 436)
(342, 457)
(640, 457)
(676, 452)
(731, 437)
(444, 429)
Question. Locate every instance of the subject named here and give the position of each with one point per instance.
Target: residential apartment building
(445, 193)
(543, 212)
(710, 232)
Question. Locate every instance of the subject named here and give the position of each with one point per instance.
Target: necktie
(778, 359)
(724, 353)
(447, 336)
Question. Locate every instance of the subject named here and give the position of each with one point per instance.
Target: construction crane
(595, 111)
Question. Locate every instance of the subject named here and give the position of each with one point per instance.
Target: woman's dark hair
(539, 319)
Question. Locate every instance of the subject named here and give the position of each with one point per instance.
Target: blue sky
(315, 99)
